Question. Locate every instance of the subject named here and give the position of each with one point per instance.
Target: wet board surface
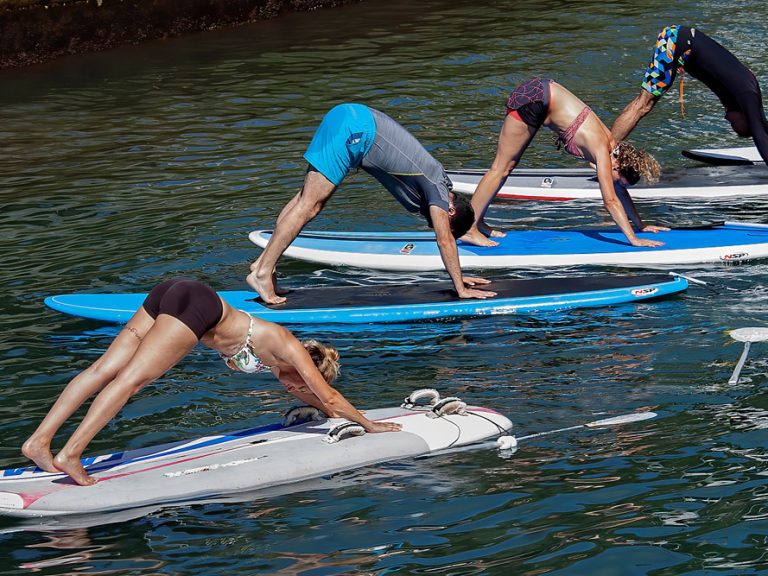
(417, 251)
(403, 302)
(240, 461)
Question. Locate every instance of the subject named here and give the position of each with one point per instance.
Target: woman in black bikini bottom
(175, 316)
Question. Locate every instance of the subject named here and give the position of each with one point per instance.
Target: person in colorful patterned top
(176, 315)
(541, 102)
(690, 50)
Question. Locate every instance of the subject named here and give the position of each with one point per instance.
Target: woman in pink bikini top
(541, 102)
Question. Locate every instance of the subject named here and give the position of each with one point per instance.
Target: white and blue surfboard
(417, 251)
(247, 460)
(404, 302)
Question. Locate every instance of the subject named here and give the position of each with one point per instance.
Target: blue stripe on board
(107, 461)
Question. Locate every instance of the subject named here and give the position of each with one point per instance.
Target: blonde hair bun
(326, 358)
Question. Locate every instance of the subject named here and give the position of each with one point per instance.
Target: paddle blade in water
(750, 334)
(624, 419)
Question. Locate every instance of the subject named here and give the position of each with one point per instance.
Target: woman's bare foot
(73, 468)
(39, 451)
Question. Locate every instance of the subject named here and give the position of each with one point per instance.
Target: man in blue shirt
(351, 136)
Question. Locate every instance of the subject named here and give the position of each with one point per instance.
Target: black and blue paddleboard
(403, 302)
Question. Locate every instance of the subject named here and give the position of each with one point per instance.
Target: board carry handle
(343, 430)
(296, 415)
(446, 406)
(413, 399)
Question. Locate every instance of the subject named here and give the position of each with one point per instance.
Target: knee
(739, 123)
(130, 382)
(102, 370)
(315, 209)
(309, 206)
(133, 388)
(501, 167)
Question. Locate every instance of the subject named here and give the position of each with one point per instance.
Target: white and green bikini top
(244, 360)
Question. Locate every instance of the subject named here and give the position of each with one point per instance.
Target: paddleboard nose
(11, 501)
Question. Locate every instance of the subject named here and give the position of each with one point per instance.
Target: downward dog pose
(351, 136)
(176, 315)
(683, 48)
(541, 102)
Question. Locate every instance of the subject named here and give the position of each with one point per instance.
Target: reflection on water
(122, 168)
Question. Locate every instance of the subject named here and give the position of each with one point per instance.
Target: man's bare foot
(255, 274)
(478, 239)
(40, 453)
(265, 289)
(486, 230)
(74, 469)
(278, 290)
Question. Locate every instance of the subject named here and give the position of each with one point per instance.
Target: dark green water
(123, 168)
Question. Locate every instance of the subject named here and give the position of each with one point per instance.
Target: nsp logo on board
(735, 257)
(644, 291)
(408, 248)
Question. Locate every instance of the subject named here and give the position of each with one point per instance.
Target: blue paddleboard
(403, 302)
(417, 251)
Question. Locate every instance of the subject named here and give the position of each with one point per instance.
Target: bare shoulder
(271, 333)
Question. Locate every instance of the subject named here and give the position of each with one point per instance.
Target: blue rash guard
(356, 136)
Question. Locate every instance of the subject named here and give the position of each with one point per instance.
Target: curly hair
(635, 163)
(326, 358)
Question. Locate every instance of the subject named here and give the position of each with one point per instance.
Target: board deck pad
(405, 302)
(246, 460)
(582, 184)
(434, 292)
(417, 251)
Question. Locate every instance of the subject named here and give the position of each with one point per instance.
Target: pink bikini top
(567, 136)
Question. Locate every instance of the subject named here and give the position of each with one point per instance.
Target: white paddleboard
(246, 460)
(725, 156)
(560, 184)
